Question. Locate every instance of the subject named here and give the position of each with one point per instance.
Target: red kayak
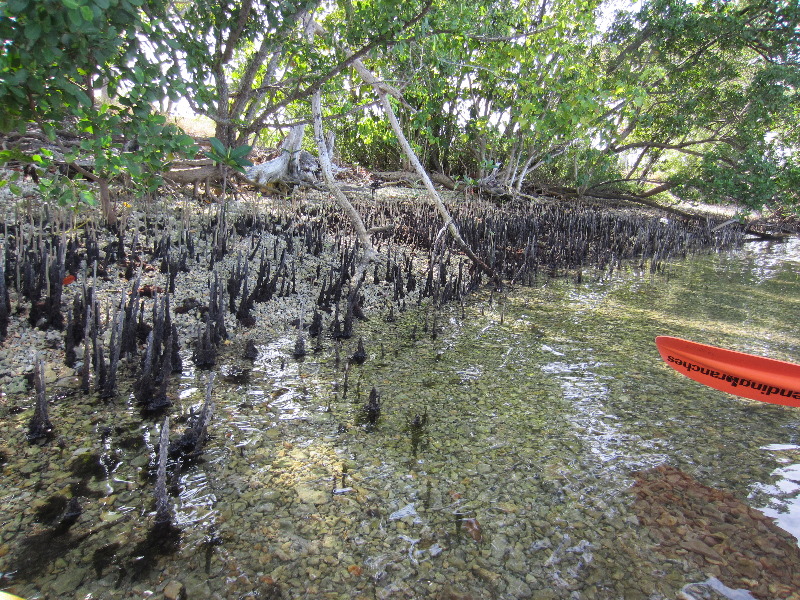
(746, 375)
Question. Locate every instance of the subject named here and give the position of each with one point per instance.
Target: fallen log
(193, 175)
(410, 177)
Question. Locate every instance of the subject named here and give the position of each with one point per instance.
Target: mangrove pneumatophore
(86, 368)
(157, 364)
(40, 428)
(175, 349)
(205, 352)
(109, 389)
(5, 303)
(69, 340)
(372, 409)
(250, 350)
(360, 355)
(72, 512)
(191, 444)
(416, 428)
(316, 324)
(213, 332)
(299, 347)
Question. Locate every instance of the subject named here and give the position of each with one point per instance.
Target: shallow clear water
(501, 465)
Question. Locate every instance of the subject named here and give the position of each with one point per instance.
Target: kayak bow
(746, 375)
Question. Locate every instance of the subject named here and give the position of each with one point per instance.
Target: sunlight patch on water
(602, 432)
(770, 258)
(196, 500)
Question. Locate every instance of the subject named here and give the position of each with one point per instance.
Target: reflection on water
(501, 465)
(783, 494)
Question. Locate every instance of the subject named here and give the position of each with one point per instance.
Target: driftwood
(286, 163)
(644, 200)
(647, 202)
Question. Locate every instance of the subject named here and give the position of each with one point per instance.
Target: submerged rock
(174, 590)
(714, 530)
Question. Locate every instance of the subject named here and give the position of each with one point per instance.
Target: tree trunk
(108, 208)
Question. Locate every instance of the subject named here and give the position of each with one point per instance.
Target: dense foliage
(61, 62)
(696, 97)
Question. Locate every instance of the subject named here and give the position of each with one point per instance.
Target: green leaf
(19, 77)
(218, 147)
(87, 14)
(83, 98)
(71, 4)
(12, 154)
(134, 168)
(33, 30)
(17, 6)
(185, 140)
(75, 18)
(88, 198)
(240, 152)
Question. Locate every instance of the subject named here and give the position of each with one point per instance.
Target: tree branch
(317, 84)
(339, 115)
(327, 172)
(450, 225)
(233, 38)
(666, 146)
(682, 147)
(490, 39)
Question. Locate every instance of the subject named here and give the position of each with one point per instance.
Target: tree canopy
(695, 97)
